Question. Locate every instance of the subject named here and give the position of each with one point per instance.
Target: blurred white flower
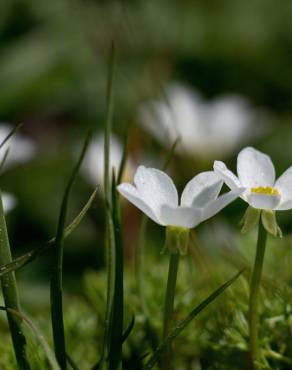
(155, 194)
(207, 129)
(21, 149)
(256, 174)
(94, 160)
(9, 202)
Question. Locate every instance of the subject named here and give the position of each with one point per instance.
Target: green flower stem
(109, 241)
(10, 294)
(56, 288)
(254, 295)
(168, 306)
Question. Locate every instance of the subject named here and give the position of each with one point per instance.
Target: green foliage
(217, 339)
(54, 59)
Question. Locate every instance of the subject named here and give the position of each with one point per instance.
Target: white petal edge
(226, 175)
(188, 217)
(133, 196)
(285, 206)
(201, 189)
(284, 185)
(155, 188)
(9, 202)
(255, 168)
(262, 201)
(218, 204)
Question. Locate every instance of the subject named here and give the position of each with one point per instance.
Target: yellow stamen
(265, 190)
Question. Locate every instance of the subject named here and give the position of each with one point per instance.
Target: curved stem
(10, 295)
(254, 294)
(140, 259)
(168, 305)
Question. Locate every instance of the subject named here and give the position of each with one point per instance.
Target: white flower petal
(9, 202)
(176, 115)
(155, 188)
(21, 149)
(131, 193)
(157, 118)
(94, 160)
(201, 189)
(284, 185)
(255, 168)
(284, 206)
(227, 176)
(218, 204)
(180, 216)
(262, 201)
(228, 119)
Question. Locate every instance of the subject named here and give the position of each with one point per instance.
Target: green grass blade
(11, 133)
(39, 336)
(77, 220)
(109, 235)
(57, 274)
(97, 366)
(123, 160)
(3, 160)
(34, 253)
(129, 329)
(108, 125)
(170, 154)
(181, 326)
(117, 309)
(72, 363)
(10, 295)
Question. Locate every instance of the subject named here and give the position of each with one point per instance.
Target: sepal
(250, 219)
(176, 240)
(270, 223)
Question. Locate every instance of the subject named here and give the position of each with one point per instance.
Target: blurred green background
(53, 66)
(54, 57)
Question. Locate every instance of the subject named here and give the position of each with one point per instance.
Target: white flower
(94, 160)
(155, 194)
(256, 173)
(204, 128)
(9, 202)
(21, 149)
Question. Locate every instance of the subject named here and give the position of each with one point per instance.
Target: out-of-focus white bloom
(155, 194)
(94, 160)
(207, 129)
(21, 149)
(9, 202)
(256, 174)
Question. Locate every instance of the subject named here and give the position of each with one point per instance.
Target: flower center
(265, 190)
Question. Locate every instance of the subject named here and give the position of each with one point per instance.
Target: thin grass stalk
(254, 297)
(23, 260)
(117, 309)
(3, 160)
(109, 239)
(184, 323)
(140, 259)
(72, 363)
(10, 295)
(123, 160)
(11, 133)
(57, 271)
(169, 306)
(38, 334)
